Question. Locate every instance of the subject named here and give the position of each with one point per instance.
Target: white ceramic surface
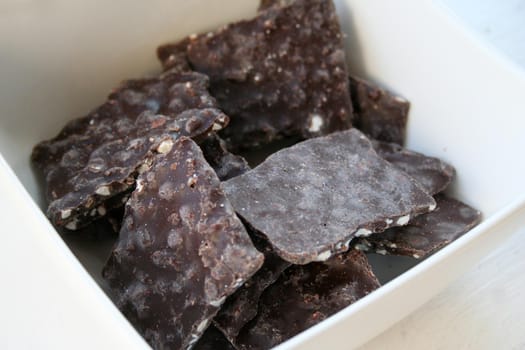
(59, 58)
(484, 308)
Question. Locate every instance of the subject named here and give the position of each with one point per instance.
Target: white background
(484, 309)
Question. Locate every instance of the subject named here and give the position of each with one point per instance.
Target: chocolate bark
(282, 73)
(311, 199)
(306, 295)
(432, 173)
(379, 113)
(264, 4)
(91, 166)
(241, 307)
(106, 226)
(181, 250)
(225, 163)
(173, 56)
(426, 233)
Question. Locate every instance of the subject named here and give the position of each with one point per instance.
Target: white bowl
(60, 58)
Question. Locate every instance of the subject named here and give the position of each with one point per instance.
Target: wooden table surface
(485, 308)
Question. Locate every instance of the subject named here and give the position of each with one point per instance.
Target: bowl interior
(59, 59)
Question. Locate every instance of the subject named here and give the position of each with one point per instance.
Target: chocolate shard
(265, 4)
(241, 307)
(90, 167)
(106, 226)
(306, 295)
(282, 73)
(181, 250)
(225, 163)
(173, 56)
(311, 199)
(379, 113)
(432, 173)
(426, 233)
(213, 339)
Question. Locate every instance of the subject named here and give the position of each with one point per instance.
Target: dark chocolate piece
(426, 233)
(311, 199)
(225, 164)
(379, 113)
(282, 73)
(90, 167)
(265, 4)
(173, 56)
(241, 307)
(306, 295)
(101, 229)
(106, 226)
(432, 173)
(181, 251)
(213, 339)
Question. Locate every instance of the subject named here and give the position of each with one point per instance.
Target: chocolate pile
(212, 254)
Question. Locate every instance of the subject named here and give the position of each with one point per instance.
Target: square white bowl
(58, 59)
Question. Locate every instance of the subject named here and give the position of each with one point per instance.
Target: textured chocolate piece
(225, 164)
(241, 307)
(282, 73)
(306, 295)
(106, 226)
(432, 173)
(265, 4)
(173, 56)
(101, 229)
(379, 113)
(181, 250)
(426, 233)
(311, 199)
(91, 165)
(213, 339)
